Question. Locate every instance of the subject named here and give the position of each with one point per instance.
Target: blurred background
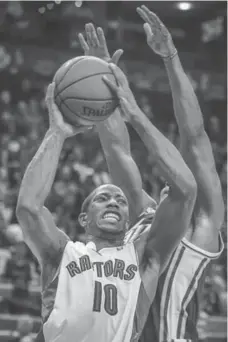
(35, 39)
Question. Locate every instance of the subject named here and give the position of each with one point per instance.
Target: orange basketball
(81, 94)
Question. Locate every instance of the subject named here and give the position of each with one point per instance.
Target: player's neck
(101, 242)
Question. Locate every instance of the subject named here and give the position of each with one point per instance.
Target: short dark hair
(87, 201)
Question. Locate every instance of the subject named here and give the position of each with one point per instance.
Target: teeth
(111, 216)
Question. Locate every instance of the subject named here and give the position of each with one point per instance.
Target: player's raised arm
(40, 232)
(114, 135)
(195, 145)
(173, 215)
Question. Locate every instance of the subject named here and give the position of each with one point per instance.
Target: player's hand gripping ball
(80, 92)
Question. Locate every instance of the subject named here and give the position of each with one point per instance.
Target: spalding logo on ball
(81, 94)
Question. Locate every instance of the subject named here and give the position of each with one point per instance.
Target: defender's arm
(114, 135)
(115, 142)
(197, 152)
(195, 145)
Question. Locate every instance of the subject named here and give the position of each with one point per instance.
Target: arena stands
(36, 37)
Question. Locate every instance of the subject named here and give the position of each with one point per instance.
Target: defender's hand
(95, 44)
(127, 100)
(158, 37)
(55, 117)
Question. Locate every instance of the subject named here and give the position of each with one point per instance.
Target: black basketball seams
(88, 100)
(69, 118)
(83, 78)
(59, 99)
(76, 62)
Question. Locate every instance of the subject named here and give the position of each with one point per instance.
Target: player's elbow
(220, 211)
(23, 208)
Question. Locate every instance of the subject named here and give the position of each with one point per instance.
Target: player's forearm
(113, 134)
(167, 158)
(123, 169)
(115, 142)
(40, 173)
(186, 106)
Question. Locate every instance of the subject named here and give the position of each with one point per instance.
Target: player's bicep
(169, 225)
(41, 234)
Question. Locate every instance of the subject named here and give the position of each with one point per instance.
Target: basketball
(80, 92)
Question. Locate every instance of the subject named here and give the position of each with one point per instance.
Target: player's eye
(122, 200)
(102, 198)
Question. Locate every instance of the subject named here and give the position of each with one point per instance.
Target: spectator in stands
(219, 287)
(215, 291)
(17, 271)
(24, 329)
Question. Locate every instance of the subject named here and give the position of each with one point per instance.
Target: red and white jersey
(95, 295)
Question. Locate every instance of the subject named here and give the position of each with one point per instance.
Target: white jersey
(96, 295)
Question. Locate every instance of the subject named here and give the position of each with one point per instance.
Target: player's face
(108, 210)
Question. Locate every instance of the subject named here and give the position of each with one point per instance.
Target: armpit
(150, 272)
(50, 264)
(48, 295)
(50, 277)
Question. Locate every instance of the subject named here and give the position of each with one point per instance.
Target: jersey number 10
(110, 301)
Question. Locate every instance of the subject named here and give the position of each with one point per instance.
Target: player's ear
(127, 225)
(82, 219)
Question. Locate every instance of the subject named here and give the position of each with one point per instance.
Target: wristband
(171, 56)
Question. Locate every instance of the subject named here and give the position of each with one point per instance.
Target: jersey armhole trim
(203, 252)
(136, 252)
(56, 272)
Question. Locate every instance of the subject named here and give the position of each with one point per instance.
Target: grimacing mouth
(112, 213)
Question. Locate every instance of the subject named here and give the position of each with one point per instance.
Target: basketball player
(174, 312)
(101, 291)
